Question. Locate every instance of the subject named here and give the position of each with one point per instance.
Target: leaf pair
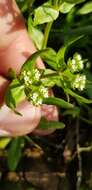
(45, 13)
(48, 12)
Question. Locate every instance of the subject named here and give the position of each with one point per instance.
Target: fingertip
(3, 87)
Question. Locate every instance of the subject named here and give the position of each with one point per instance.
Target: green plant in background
(66, 66)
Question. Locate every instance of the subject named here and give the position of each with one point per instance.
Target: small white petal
(28, 73)
(78, 57)
(26, 78)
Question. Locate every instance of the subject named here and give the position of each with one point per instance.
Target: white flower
(81, 65)
(37, 74)
(30, 82)
(44, 91)
(35, 91)
(79, 82)
(35, 99)
(26, 78)
(46, 95)
(88, 65)
(24, 73)
(77, 56)
(27, 81)
(39, 102)
(34, 96)
(28, 73)
(75, 64)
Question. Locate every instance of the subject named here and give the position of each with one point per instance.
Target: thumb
(15, 125)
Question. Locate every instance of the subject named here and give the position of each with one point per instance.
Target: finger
(17, 53)
(50, 113)
(15, 125)
(11, 21)
(15, 44)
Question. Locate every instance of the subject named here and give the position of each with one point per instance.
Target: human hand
(15, 48)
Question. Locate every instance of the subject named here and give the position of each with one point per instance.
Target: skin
(15, 48)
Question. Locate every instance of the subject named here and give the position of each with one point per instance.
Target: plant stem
(79, 172)
(48, 27)
(68, 98)
(30, 3)
(85, 120)
(56, 3)
(54, 74)
(85, 149)
(46, 34)
(32, 142)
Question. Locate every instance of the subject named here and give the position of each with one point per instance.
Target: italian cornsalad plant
(61, 31)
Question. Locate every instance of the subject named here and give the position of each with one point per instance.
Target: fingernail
(4, 133)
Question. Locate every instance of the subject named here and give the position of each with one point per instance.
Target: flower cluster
(34, 89)
(29, 77)
(75, 64)
(37, 94)
(79, 82)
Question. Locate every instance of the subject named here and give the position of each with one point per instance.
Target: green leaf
(74, 1)
(78, 97)
(35, 34)
(15, 152)
(88, 89)
(11, 74)
(62, 51)
(74, 112)
(72, 40)
(50, 78)
(60, 57)
(31, 62)
(58, 102)
(49, 72)
(51, 81)
(66, 7)
(15, 94)
(86, 8)
(25, 5)
(45, 124)
(45, 13)
(4, 141)
(51, 58)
